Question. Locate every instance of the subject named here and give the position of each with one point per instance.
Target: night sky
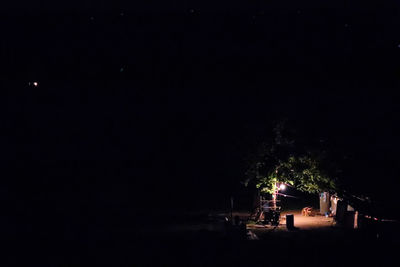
(161, 103)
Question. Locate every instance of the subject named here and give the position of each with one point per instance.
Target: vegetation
(283, 159)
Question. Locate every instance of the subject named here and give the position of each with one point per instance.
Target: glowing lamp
(282, 186)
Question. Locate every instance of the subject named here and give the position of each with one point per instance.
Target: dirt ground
(300, 222)
(315, 243)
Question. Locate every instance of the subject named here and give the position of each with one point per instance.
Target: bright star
(34, 84)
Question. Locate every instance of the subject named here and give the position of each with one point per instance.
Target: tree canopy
(290, 160)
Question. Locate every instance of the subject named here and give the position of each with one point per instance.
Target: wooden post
(274, 196)
(232, 210)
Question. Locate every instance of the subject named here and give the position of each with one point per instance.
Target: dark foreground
(329, 247)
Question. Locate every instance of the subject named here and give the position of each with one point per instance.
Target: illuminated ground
(300, 222)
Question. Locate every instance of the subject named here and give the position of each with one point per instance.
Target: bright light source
(282, 186)
(35, 84)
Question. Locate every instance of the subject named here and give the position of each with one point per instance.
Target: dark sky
(137, 101)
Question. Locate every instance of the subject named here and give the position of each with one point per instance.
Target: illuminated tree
(283, 160)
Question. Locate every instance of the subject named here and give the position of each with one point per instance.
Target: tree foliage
(283, 159)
